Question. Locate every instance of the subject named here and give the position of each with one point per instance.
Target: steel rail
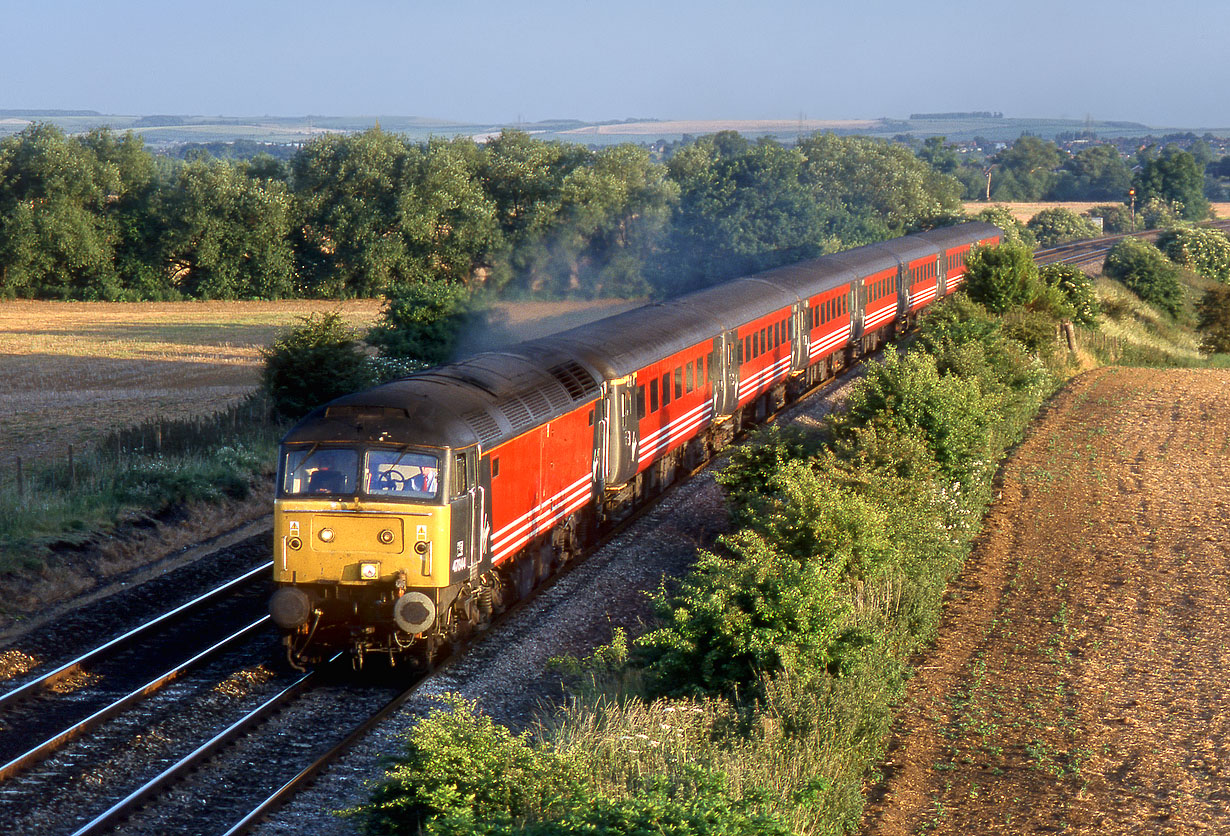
(52, 744)
(69, 668)
(125, 806)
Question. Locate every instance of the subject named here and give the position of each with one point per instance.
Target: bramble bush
(1001, 277)
(1144, 270)
(1055, 226)
(1204, 251)
(1077, 289)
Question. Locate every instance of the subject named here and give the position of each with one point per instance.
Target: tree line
(98, 216)
(1035, 169)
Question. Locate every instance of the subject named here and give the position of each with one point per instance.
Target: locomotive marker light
(385, 536)
(326, 535)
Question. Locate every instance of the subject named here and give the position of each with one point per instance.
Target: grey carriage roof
(495, 396)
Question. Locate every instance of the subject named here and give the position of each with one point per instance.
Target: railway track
(1093, 252)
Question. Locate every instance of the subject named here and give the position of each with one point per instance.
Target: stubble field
(1077, 684)
(70, 372)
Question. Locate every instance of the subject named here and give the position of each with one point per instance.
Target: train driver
(424, 481)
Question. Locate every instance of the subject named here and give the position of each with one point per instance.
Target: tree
(313, 363)
(56, 240)
(1143, 269)
(347, 233)
(1025, 170)
(1001, 277)
(422, 321)
(743, 207)
(881, 182)
(1094, 173)
(228, 234)
(1173, 176)
(938, 155)
(1057, 225)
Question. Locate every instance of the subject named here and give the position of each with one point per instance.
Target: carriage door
(724, 373)
(800, 335)
(622, 432)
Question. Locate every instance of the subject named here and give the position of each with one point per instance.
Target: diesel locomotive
(409, 514)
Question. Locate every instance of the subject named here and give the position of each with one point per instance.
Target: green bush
(1014, 231)
(752, 609)
(461, 769)
(423, 321)
(1077, 289)
(1156, 213)
(907, 393)
(1057, 225)
(1204, 251)
(314, 363)
(1001, 277)
(1143, 269)
(1214, 315)
(1116, 218)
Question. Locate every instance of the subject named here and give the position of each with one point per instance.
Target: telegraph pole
(1132, 202)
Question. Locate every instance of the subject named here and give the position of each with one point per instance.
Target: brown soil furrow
(1076, 682)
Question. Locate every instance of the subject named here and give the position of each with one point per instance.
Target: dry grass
(70, 372)
(1024, 211)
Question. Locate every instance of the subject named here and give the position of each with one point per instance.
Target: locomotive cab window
(318, 471)
(402, 474)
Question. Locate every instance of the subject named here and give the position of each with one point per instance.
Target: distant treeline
(97, 216)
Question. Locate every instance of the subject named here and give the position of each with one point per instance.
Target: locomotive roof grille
(575, 379)
(517, 413)
(537, 403)
(483, 424)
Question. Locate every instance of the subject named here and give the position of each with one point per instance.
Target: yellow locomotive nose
(316, 541)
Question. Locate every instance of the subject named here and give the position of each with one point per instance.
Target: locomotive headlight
(369, 571)
(326, 535)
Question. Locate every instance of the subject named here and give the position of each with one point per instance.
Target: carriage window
(653, 395)
(640, 401)
(666, 388)
(747, 348)
(764, 339)
(679, 381)
(689, 379)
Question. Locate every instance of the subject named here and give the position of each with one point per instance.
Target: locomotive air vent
(483, 424)
(576, 380)
(537, 403)
(516, 413)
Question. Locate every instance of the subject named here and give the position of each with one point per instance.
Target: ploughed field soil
(1079, 681)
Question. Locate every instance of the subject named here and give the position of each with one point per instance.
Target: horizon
(475, 61)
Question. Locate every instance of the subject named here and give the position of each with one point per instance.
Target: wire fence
(89, 467)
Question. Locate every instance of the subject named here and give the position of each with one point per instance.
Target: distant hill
(167, 131)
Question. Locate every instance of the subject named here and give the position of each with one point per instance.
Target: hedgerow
(764, 692)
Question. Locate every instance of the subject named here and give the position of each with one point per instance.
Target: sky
(1163, 64)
